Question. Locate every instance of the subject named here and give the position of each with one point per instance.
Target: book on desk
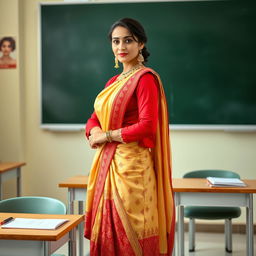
(225, 182)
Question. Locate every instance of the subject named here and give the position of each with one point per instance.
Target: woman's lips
(123, 54)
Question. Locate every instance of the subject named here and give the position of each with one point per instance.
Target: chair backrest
(33, 204)
(211, 173)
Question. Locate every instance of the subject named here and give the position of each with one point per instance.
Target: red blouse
(140, 119)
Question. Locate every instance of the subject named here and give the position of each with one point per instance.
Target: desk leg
(174, 245)
(71, 199)
(72, 243)
(249, 226)
(180, 240)
(81, 229)
(18, 181)
(46, 248)
(1, 187)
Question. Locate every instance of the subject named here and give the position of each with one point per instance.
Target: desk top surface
(39, 234)
(201, 185)
(179, 185)
(79, 181)
(6, 166)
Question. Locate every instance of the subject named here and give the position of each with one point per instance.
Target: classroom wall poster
(7, 52)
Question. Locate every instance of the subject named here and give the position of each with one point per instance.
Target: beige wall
(11, 125)
(10, 88)
(53, 156)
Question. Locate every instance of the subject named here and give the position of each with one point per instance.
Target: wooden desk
(196, 192)
(77, 186)
(23, 242)
(8, 171)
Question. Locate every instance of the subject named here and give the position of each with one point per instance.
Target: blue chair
(33, 204)
(211, 213)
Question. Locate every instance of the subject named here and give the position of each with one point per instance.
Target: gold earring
(116, 63)
(140, 58)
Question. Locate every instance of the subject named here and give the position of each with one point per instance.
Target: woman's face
(124, 46)
(6, 48)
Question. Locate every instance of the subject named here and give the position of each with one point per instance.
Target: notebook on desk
(225, 182)
(27, 223)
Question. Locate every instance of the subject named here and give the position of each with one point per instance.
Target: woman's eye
(128, 41)
(115, 41)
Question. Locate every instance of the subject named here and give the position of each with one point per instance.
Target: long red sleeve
(142, 122)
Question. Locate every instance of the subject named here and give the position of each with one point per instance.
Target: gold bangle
(108, 135)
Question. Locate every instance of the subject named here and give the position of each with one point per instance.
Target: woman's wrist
(115, 135)
(95, 130)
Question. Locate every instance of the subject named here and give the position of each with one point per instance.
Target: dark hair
(136, 30)
(10, 40)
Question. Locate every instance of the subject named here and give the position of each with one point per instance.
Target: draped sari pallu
(130, 207)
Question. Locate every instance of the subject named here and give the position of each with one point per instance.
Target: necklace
(126, 74)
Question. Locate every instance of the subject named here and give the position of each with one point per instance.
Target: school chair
(211, 213)
(33, 204)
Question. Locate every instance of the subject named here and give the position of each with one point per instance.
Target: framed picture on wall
(7, 52)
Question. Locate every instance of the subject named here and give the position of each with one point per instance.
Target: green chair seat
(211, 213)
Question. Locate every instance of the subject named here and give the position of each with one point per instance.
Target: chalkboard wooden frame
(65, 126)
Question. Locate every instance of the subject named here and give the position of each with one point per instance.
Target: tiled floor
(207, 244)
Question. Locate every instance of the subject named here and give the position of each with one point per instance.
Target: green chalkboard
(204, 51)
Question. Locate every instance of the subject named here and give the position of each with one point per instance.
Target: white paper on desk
(27, 223)
(229, 182)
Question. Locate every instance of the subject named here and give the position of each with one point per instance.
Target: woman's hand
(97, 138)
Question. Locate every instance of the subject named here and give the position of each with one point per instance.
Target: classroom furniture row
(192, 192)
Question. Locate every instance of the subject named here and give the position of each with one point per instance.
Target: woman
(129, 206)
(7, 45)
